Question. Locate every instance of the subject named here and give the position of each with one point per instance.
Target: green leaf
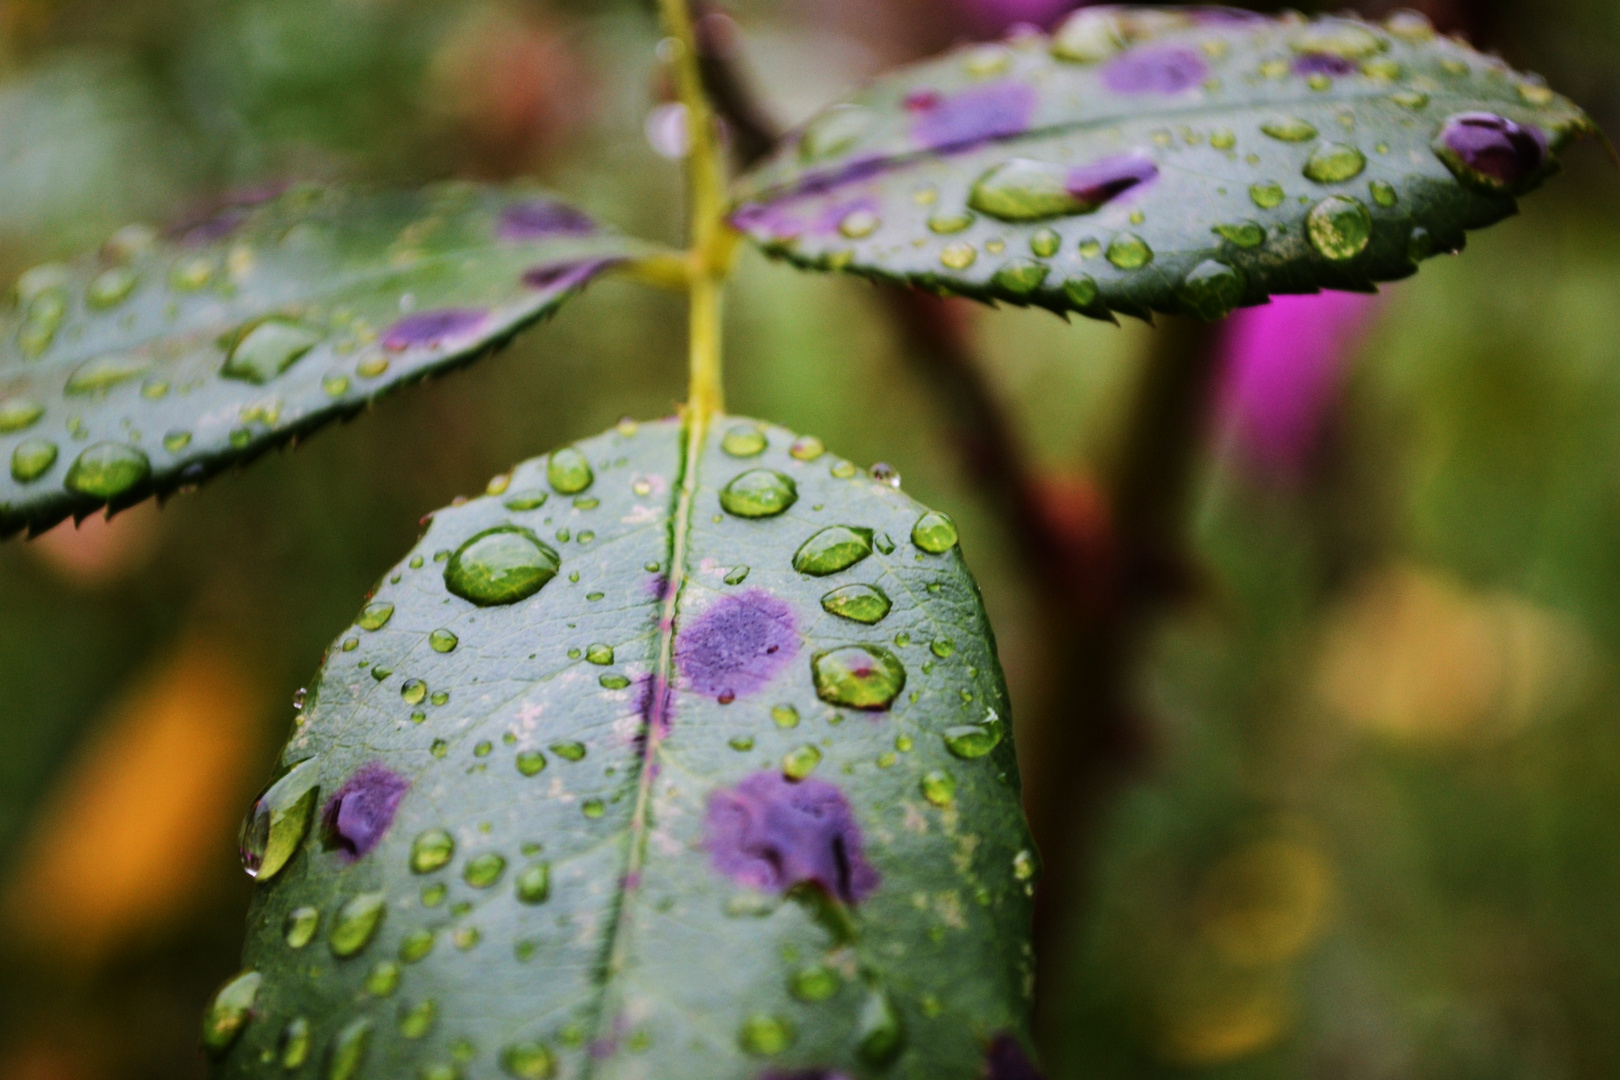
(1176, 160)
(533, 856)
(160, 361)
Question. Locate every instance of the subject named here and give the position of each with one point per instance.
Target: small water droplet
(759, 493)
(443, 641)
(600, 654)
(569, 751)
(356, 922)
(1081, 291)
(418, 943)
(593, 808)
(742, 743)
(529, 1061)
(814, 983)
(614, 682)
(31, 459)
(763, 1035)
(417, 1021)
(806, 448)
(934, 532)
(267, 349)
(1211, 289)
(948, 224)
(431, 850)
(292, 1048)
(534, 883)
(524, 501)
(843, 470)
(484, 871)
(858, 603)
(501, 566)
(1333, 163)
(383, 979)
(191, 273)
(375, 616)
(835, 548)
(737, 575)
(858, 224)
(299, 926)
(1244, 234)
(1267, 194)
(439, 697)
(1089, 35)
(938, 788)
(568, 472)
(743, 441)
(1024, 865)
(884, 473)
(1129, 251)
(1289, 129)
(1339, 227)
(348, 1051)
(835, 131)
(278, 820)
(1410, 99)
(958, 256)
(229, 1011)
(880, 1035)
(1383, 194)
(483, 748)
(858, 676)
(969, 741)
(1223, 139)
(785, 716)
(801, 761)
(19, 414)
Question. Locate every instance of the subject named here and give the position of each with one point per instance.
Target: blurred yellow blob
(1211, 1014)
(1415, 657)
(100, 550)
(144, 815)
(1265, 903)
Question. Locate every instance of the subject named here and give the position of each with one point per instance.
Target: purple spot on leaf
(770, 833)
(1166, 69)
(974, 116)
(1006, 1060)
(1108, 179)
(738, 645)
(540, 218)
(432, 328)
(1321, 63)
(1494, 146)
(223, 216)
(560, 277)
(360, 813)
(922, 100)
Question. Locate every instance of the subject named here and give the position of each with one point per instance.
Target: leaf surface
(161, 360)
(1178, 160)
(756, 818)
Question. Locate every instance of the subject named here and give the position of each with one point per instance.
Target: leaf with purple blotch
(169, 356)
(1141, 160)
(616, 820)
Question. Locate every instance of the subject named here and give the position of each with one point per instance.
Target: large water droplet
(292, 1048)
(934, 533)
(858, 676)
(1129, 251)
(348, 1051)
(229, 1012)
(484, 871)
(969, 741)
(938, 787)
(278, 821)
(743, 441)
(1024, 190)
(1089, 35)
(534, 883)
(300, 925)
(759, 493)
(356, 923)
(102, 373)
(1339, 227)
(835, 548)
(107, 470)
(858, 603)
(31, 459)
(568, 471)
(500, 566)
(19, 414)
(834, 132)
(268, 349)
(417, 1021)
(1289, 129)
(1333, 163)
(1020, 277)
(1211, 289)
(880, 1035)
(1490, 153)
(763, 1035)
(431, 850)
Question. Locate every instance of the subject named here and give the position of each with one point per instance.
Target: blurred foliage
(1375, 838)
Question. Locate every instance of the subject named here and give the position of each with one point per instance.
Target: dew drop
(534, 883)
(785, 716)
(299, 927)
(834, 132)
(229, 1011)
(949, 224)
(1089, 35)
(523, 501)
(31, 459)
(1211, 289)
(418, 944)
(593, 808)
(1045, 243)
(835, 548)
(886, 474)
(859, 603)
(484, 871)
(880, 1035)
(759, 493)
(743, 441)
(814, 983)
(737, 575)
(806, 448)
(501, 566)
(348, 1051)
(1333, 163)
(569, 751)
(292, 1048)
(1081, 291)
(801, 761)
(614, 682)
(1383, 194)
(1290, 129)
(278, 820)
(375, 616)
(529, 1061)
(110, 288)
(356, 923)
(431, 850)
(176, 441)
(1244, 234)
(938, 788)
(858, 676)
(958, 256)
(970, 741)
(443, 641)
(383, 979)
(858, 224)
(19, 414)
(600, 654)
(1339, 227)
(268, 349)
(1020, 277)
(1129, 251)
(763, 1035)
(568, 472)
(934, 532)
(1410, 99)
(1267, 194)
(414, 692)
(418, 1020)
(100, 374)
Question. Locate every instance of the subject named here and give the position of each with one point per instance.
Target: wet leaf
(1179, 160)
(719, 851)
(161, 360)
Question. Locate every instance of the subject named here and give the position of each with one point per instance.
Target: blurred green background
(1377, 832)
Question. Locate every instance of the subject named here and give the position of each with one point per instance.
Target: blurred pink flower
(1282, 368)
(987, 18)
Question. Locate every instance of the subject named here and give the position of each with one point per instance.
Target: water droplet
(1089, 35)
(1410, 26)
(534, 883)
(614, 682)
(759, 493)
(948, 224)
(529, 1061)
(1024, 865)
(814, 983)
(443, 641)
(418, 943)
(858, 603)
(1410, 99)
(1224, 139)
(439, 697)
(348, 1050)
(843, 470)
(835, 548)
(383, 979)
(834, 132)
(568, 472)
(431, 850)
(969, 741)
(939, 788)
(228, 1013)
(934, 532)
(501, 566)
(806, 448)
(1332, 163)
(293, 1046)
(569, 751)
(785, 716)
(413, 692)
(523, 501)
(1266, 194)
(1490, 153)
(267, 349)
(1339, 227)
(278, 820)
(176, 441)
(19, 414)
(958, 256)
(31, 459)
(1020, 277)
(357, 921)
(737, 576)
(801, 761)
(483, 748)
(880, 1034)
(418, 1020)
(484, 871)
(102, 373)
(1420, 245)
(742, 743)
(191, 273)
(1245, 234)
(858, 224)
(1129, 251)
(1023, 190)
(1291, 129)
(744, 441)
(299, 926)
(1383, 194)
(375, 616)
(593, 808)
(858, 676)
(763, 1035)
(942, 647)
(884, 473)
(1211, 289)
(1081, 291)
